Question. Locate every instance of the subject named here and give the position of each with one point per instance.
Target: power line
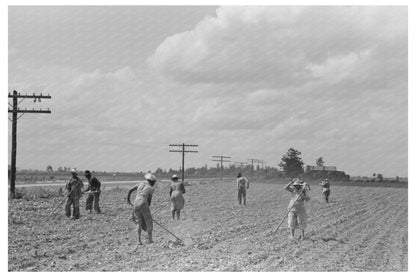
(222, 159)
(183, 151)
(15, 111)
(252, 161)
(241, 164)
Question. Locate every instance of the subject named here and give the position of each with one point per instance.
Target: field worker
(325, 189)
(177, 189)
(297, 216)
(74, 192)
(307, 185)
(141, 205)
(94, 186)
(242, 185)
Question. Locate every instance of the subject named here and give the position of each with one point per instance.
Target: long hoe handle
(168, 231)
(278, 226)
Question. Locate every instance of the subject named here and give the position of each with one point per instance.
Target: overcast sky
(245, 82)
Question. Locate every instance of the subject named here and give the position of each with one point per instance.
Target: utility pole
(240, 164)
(252, 161)
(183, 151)
(14, 110)
(222, 159)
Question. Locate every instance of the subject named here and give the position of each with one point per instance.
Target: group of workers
(74, 192)
(297, 216)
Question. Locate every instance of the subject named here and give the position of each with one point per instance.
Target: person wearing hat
(297, 216)
(177, 189)
(141, 210)
(74, 192)
(242, 185)
(325, 189)
(94, 186)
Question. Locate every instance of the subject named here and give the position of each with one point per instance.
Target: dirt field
(362, 229)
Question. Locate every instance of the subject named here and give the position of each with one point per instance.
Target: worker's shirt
(294, 196)
(74, 187)
(242, 182)
(176, 186)
(144, 192)
(325, 186)
(93, 184)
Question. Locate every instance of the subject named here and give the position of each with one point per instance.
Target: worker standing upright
(242, 186)
(297, 217)
(94, 186)
(177, 202)
(74, 193)
(325, 189)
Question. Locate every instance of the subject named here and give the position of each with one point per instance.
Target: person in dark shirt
(74, 192)
(94, 186)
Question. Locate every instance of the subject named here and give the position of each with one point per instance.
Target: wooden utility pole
(240, 164)
(14, 110)
(183, 151)
(222, 159)
(252, 161)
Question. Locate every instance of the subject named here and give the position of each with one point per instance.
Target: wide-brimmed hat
(174, 176)
(150, 176)
(297, 182)
(73, 171)
(86, 172)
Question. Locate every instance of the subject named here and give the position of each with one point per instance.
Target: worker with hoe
(297, 216)
(325, 189)
(141, 211)
(74, 192)
(177, 189)
(94, 188)
(242, 185)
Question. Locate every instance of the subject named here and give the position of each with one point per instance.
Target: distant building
(321, 172)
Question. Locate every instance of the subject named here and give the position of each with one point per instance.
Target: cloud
(249, 83)
(278, 46)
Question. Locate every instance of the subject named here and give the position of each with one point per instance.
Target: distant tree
(60, 169)
(320, 161)
(49, 168)
(292, 163)
(379, 177)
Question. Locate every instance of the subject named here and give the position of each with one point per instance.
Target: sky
(239, 81)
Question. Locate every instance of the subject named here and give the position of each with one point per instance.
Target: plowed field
(362, 229)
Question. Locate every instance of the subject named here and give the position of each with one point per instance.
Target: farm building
(329, 172)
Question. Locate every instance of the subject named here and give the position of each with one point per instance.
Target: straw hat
(297, 182)
(150, 176)
(73, 171)
(174, 176)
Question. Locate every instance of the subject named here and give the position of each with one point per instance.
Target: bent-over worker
(141, 209)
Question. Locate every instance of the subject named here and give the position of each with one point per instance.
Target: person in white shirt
(141, 210)
(242, 185)
(297, 217)
(325, 189)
